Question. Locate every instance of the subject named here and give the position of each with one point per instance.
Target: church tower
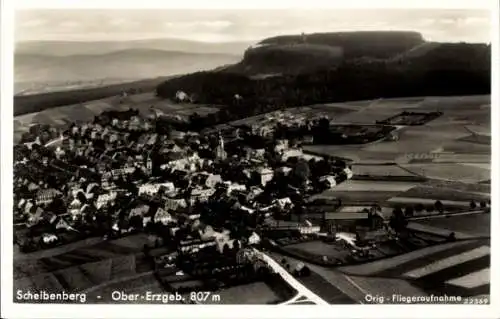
(220, 151)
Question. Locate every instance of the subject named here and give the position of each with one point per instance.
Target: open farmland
(358, 197)
(83, 266)
(119, 263)
(403, 201)
(461, 116)
(380, 170)
(385, 265)
(460, 270)
(452, 172)
(442, 193)
(139, 284)
(459, 186)
(369, 186)
(256, 293)
(475, 224)
(86, 111)
(29, 88)
(318, 248)
(386, 287)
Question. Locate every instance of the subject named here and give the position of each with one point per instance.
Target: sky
(244, 25)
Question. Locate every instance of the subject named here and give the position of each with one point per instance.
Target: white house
(45, 196)
(59, 152)
(307, 230)
(281, 146)
(328, 180)
(152, 189)
(146, 220)
(74, 207)
(292, 152)
(282, 202)
(309, 157)
(104, 199)
(285, 170)
(181, 96)
(90, 188)
(348, 173)
(175, 203)
(122, 171)
(255, 191)
(248, 210)
(213, 180)
(201, 194)
(139, 211)
(189, 162)
(235, 187)
(49, 238)
(266, 175)
(259, 153)
(253, 239)
(162, 216)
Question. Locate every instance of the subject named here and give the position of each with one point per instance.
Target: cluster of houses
(119, 173)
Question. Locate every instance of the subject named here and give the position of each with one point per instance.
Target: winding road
(303, 291)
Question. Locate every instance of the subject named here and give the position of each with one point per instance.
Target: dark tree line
(450, 69)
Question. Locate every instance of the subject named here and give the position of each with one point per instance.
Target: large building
(220, 152)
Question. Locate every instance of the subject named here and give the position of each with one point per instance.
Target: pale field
(438, 231)
(46, 253)
(407, 145)
(479, 165)
(426, 201)
(359, 197)
(441, 134)
(474, 160)
(387, 287)
(478, 189)
(355, 153)
(381, 265)
(449, 262)
(87, 110)
(473, 224)
(472, 280)
(467, 147)
(366, 116)
(452, 172)
(348, 105)
(444, 193)
(484, 129)
(352, 209)
(380, 170)
(381, 186)
(27, 88)
(458, 101)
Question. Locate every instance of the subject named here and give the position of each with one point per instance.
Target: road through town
(302, 290)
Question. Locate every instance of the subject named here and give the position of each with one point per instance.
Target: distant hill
(284, 72)
(456, 56)
(437, 69)
(287, 58)
(309, 52)
(377, 44)
(123, 64)
(25, 104)
(64, 48)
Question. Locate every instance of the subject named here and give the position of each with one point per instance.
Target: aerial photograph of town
(252, 157)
